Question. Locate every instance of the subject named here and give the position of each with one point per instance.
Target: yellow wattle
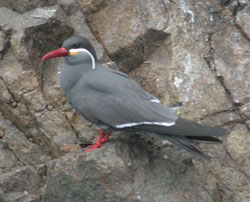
(74, 53)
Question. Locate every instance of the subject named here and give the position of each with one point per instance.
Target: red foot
(106, 137)
(100, 141)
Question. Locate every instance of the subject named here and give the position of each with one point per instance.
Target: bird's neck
(73, 69)
(70, 75)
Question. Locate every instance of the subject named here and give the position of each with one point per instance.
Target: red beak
(60, 52)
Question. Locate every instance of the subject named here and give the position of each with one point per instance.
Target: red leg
(106, 137)
(100, 141)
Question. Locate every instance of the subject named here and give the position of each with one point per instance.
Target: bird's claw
(92, 148)
(101, 140)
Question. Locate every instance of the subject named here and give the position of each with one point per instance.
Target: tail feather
(205, 139)
(184, 127)
(185, 143)
(184, 132)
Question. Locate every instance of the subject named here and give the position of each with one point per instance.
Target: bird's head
(74, 46)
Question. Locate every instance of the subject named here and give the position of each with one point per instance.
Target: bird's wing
(122, 111)
(111, 97)
(135, 86)
(114, 82)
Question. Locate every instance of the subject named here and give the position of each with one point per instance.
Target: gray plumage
(108, 97)
(113, 101)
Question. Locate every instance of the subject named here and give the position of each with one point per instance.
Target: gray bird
(113, 101)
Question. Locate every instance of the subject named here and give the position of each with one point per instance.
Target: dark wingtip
(204, 139)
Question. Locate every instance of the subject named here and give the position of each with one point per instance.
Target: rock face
(193, 55)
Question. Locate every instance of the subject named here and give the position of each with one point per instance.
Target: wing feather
(113, 111)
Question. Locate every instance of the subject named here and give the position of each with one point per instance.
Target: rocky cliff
(193, 55)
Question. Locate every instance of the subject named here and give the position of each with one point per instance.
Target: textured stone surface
(2, 41)
(242, 19)
(22, 184)
(23, 149)
(125, 170)
(231, 50)
(139, 24)
(237, 146)
(26, 5)
(184, 70)
(193, 55)
(27, 107)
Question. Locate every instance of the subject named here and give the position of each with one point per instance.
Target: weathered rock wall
(193, 55)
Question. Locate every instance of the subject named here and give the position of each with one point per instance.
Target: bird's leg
(106, 137)
(100, 141)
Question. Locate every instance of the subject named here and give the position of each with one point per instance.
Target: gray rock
(247, 123)
(245, 109)
(230, 50)
(242, 19)
(6, 16)
(7, 158)
(237, 146)
(26, 5)
(25, 107)
(17, 149)
(29, 36)
(2, 41)
(177, 72)
(32, 116)
(22, 184)
(139, 24)
(69, 6)
(4, 3)
(179, 80)
(92, 6)
(128, 169)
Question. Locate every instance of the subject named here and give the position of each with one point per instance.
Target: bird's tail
(185, 132)
(186, 142)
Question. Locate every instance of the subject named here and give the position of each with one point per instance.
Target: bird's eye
(77, 45)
